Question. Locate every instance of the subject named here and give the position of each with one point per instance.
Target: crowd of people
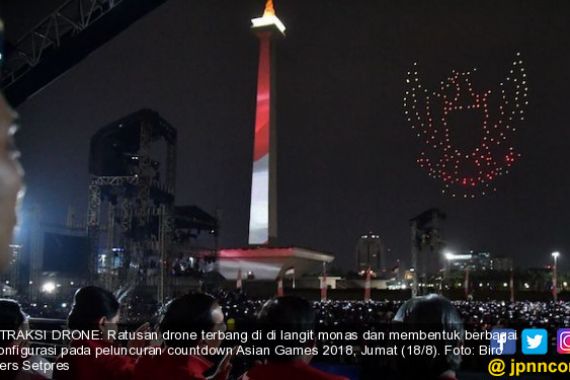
(94, 308)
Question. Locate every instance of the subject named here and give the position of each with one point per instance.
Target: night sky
(346, 153)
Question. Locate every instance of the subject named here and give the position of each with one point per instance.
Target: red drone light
(466, 171)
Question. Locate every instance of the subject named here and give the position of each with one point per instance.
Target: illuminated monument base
(264, 263)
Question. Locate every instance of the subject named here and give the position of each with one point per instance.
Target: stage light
(48, 287)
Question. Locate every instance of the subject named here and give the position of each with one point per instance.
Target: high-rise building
(370, 253)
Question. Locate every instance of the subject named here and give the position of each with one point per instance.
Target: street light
(555, 256)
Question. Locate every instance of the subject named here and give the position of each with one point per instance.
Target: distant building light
(450, 256)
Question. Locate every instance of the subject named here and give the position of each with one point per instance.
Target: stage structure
(426, 243)
(133, 178)
(264, 259)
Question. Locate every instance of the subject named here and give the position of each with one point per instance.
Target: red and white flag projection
(263, 207)
(466, 131)
(259, 208)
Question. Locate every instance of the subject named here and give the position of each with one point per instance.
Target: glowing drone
(467, 172)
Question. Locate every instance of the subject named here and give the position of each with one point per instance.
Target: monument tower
(263, 207)
(264, 259)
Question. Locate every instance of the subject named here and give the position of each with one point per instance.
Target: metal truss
(115, 180)
(66, 22)
(133, 207)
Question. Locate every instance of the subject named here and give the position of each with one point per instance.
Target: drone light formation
(467, 172)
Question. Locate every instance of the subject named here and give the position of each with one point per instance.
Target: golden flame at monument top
(268, 19)
(269, 9)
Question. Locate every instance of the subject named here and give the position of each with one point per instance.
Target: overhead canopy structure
(64, 38)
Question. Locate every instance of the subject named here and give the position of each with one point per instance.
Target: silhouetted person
(292, 314)
(431, 313)
(96, 309)
(11, 178)
(192, 313)
(12, 318)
